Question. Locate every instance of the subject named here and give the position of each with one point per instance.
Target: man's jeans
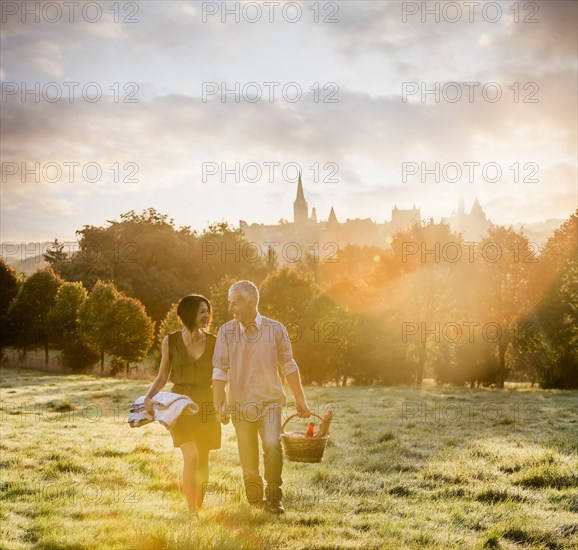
(269, 428)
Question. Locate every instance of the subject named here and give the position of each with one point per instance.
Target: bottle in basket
(310, 430)
(324, 426)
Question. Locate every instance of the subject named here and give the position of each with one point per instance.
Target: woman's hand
(148, 403)
(221, 413)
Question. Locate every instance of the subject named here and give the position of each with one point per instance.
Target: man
(249, 350)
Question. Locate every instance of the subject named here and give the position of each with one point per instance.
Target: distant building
(472, 226)
(311, 234)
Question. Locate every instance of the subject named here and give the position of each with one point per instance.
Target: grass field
(405, 468)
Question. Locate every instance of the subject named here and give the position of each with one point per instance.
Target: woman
(187, 358)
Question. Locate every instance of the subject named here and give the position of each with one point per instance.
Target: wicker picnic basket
(299, 448)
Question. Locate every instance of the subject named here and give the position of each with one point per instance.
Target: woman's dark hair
(189, 307)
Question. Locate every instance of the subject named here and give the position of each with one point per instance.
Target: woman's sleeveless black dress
(194, 378)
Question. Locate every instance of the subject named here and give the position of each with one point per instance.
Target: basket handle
(293, 416)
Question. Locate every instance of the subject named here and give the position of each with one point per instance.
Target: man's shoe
(275, 507)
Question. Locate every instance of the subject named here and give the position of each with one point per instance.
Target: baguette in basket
(324, 427)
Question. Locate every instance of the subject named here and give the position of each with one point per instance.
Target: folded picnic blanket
(167, 406)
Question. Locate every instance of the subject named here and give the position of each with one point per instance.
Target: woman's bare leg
(190, 473)
(202, 475)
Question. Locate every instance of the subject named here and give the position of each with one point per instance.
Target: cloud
(552, 39)
(379, 128)
(369, 133)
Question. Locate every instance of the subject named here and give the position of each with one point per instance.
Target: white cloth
(167, 406)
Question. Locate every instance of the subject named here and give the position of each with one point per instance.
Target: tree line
(431, 304)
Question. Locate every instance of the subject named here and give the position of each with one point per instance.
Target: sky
(109, 107)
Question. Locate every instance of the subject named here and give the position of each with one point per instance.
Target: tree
(146, 257)
(63, 317)
(28, 312)
(375, 353)
(220, 302)
(222, 251)
(288, 294)
(555, 283)
(10, 283)
(475, 362)
(55, 255)
(92, 318)
(77, 356)
(129, 330)
(169, 324)
(313, 321)
(344, 276)
(420, 300)
(63, 327)
(505, 295)
(142, 254)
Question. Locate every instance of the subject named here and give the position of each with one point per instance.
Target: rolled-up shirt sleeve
(221, 358)
(285, 352)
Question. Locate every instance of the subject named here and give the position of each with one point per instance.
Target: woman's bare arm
(162, 377)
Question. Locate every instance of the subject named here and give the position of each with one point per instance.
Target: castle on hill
(307, 230)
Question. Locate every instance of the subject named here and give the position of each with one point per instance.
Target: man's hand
(303, 410)
(148, 404)
(221, 414)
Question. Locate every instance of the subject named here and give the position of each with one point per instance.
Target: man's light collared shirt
(249, 361)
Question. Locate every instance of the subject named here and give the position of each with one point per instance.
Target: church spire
(477, 209)
(300, 209)
(300, 195)
(332, 218)
(477, 212)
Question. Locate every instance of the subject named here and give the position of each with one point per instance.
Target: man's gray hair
(247, 289)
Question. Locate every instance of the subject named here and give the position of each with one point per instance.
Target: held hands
(221, 414)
